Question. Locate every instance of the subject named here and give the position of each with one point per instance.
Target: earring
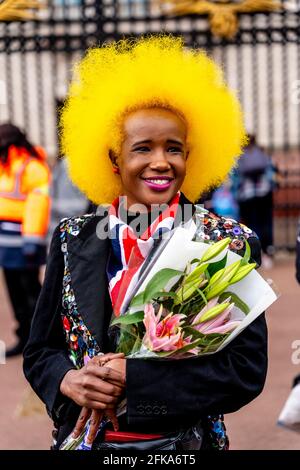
(116, 170)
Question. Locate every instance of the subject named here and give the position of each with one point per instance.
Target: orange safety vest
(24, 192)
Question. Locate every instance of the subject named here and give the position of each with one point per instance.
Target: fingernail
(74, 435)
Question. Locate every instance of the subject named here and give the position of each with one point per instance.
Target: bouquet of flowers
(196, 310)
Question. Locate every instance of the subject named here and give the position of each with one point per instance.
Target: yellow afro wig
(119, 78)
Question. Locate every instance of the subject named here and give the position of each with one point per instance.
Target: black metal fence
(262, 62)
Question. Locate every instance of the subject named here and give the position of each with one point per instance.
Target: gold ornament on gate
(18, 10)
(222, 13)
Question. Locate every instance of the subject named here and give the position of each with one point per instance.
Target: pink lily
(162, 335)
(220, 324)
(185, 341)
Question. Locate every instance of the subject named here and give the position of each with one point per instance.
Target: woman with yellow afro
(148, 126)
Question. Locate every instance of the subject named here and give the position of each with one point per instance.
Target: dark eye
(175, 149)
(142, 149)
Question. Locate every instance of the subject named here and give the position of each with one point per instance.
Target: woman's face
(152, 161)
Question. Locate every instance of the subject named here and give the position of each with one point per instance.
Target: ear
(113, 159)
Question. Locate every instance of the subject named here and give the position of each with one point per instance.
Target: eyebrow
(148, 141)
(173, 141)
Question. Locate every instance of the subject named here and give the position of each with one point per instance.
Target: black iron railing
(262, 62)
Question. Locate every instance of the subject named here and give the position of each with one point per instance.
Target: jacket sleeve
(166, 393)
(45, 356)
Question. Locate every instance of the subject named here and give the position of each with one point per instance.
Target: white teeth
(159, 181)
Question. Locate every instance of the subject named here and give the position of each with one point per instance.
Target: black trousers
(23, 288)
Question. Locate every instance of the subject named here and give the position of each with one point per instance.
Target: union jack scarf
(129, 252)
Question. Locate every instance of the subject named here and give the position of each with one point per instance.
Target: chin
(158, 198)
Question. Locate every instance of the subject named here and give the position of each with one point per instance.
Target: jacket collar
(87, 256)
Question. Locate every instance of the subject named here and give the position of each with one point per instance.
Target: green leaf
(129, 319)
(247, 254)
(190, 331)
(214, 343)
(164, 294)
(158, 282)
(217, 266)
(137, 300)
(236, 300)
(137, 345)
(127, 339)
(202, 296)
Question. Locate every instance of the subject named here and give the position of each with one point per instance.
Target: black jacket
(161, 395)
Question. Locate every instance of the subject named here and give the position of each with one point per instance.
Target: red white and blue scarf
(129, 252)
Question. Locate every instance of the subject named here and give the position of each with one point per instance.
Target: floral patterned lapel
(86, 307)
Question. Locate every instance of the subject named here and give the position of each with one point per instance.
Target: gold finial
(16, 10)
(222, 14)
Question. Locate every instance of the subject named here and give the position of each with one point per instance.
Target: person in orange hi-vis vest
(24, 219)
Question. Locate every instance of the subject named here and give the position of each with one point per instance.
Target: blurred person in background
(223, 202)
(66, 199)
(24, 218)
(254, 182)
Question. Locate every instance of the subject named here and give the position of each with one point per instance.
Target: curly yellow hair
(119, 78)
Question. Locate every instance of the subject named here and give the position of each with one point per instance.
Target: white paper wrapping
(253, 289)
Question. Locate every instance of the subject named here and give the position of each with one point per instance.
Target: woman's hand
(96, 415)
(118, 364)
(95, 386)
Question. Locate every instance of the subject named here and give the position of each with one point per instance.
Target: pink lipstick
(158, 183)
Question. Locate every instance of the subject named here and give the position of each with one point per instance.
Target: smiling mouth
(159, 179)
(158, 183)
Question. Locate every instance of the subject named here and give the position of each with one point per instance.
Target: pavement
(25, 425)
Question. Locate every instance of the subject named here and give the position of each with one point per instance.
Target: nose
(159, 161)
